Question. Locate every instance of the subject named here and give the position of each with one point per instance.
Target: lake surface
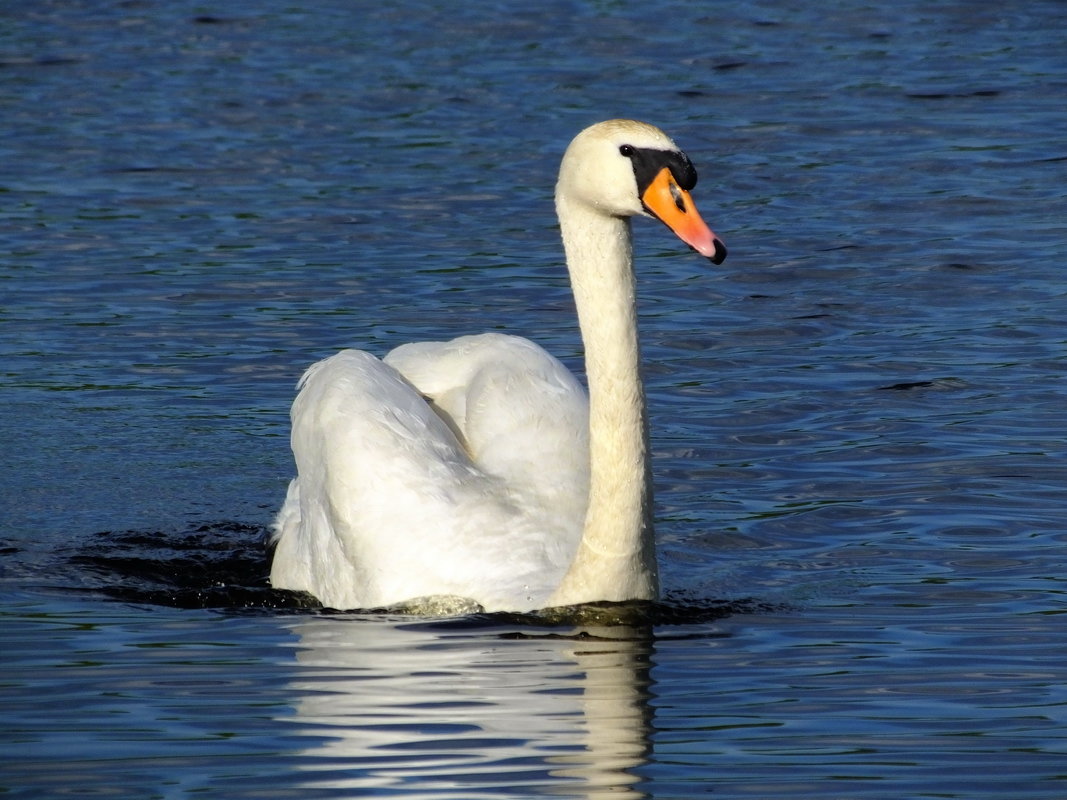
(858, 420)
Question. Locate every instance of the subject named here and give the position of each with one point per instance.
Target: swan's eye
(627, 150)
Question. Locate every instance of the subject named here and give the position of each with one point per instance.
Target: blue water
(858, 419)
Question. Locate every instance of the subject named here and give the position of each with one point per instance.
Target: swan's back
(521, 415)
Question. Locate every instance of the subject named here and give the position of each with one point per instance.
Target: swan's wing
(389, 505)
(377, 472)
(521, 414)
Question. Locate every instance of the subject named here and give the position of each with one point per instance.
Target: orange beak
(672, 205)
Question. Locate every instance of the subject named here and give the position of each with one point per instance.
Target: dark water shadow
(221, 565)
(225, 566)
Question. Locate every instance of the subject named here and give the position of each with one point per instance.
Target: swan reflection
(437, 710)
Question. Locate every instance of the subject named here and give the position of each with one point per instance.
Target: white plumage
(471, 472)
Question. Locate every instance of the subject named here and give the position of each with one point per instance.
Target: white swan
(477, 469)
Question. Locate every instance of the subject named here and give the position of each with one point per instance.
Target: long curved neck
(616, 557)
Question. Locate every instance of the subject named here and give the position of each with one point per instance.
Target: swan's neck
(616, 557)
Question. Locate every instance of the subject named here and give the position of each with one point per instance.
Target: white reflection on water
(438, 712)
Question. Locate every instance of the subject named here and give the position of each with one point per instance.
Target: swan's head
(625, 168)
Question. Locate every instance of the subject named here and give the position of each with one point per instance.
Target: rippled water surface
(858, 419)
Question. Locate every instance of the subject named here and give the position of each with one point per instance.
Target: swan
(477, 470)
